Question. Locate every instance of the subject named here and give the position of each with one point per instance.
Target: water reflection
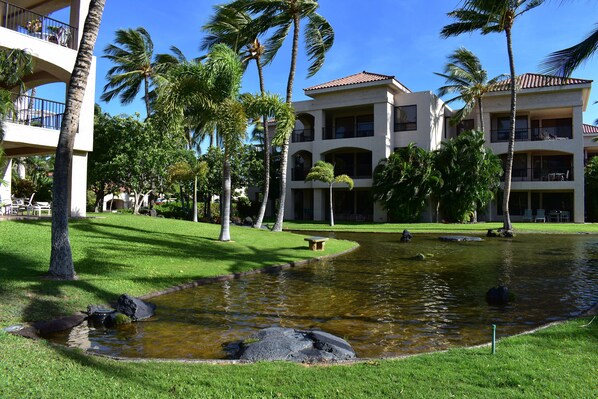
(378, 298)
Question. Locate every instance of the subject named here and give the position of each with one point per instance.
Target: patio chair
(527, 215)
(565, 216)
(39, 207)
(540, 215)
(25, 207)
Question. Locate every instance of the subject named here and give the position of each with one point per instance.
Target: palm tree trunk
(61, 259)
(331, 208)
(285, 145)
(481, 110)
(511, 146)
(266, 176)
(146, 98)
(195, 199)
(225, 199)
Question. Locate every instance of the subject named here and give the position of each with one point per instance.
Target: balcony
(37, 112)
(36, 25)
(340, 132)
(535, 134)
(298, 174)
(563, 173)
(302, 135)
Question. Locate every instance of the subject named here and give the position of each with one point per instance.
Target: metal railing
(562, 173)
(37, 112)
(37, 25)
(302, 135)
(362, 130)
(535, 134)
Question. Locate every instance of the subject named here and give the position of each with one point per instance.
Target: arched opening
(302, 163)
(304, 128)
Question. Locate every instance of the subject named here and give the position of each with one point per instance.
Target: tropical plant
(324, 172)
(134, 67)
(465, 76)
(491, 16)
(403, 182)
(61, 259)
(14, 65)
(278, 17)
(591, 189)
(564, 62)
(469, 175)
(235, 28)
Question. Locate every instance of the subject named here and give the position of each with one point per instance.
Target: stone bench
(316, 243)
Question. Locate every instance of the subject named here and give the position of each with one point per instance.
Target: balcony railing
(302, 135)
(36, 25)
(535, 134)
(298, 174)
(563, 173)
(362, 130)
(37, 112)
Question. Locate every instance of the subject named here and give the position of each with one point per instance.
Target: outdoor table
(556, 215)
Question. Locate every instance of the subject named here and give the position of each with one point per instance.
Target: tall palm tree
(134, 66)
(279, 16)
(465, 76)
(491, 16)
(324, 172)
(236, 29)
(61, 259)
(564, 62)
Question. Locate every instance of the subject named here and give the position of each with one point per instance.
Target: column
(78, 185)
(6, 176)
(79, 10)
(318, 204)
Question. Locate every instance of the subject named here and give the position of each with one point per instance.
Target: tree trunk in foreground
(331, 208)
(511, 146)
(195, 199)
(225, 199)
(266, 187)
(61, 259)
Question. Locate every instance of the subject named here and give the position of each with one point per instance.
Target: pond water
(377, 297)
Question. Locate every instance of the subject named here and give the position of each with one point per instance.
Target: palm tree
(324, 172)
(564, 62)
(61, 259)
(491, 16)
(134, 67)
(464, 75)
(234, 28)
(280, 16)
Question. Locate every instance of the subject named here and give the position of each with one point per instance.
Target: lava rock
(116, 319)
(498, 296)
(135, 308)
(491, 233)
(97, 315)
(459, 238)
(406, 237)
(277, 343)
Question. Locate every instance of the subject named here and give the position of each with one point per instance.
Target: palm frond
(319, 38)
(564, 62)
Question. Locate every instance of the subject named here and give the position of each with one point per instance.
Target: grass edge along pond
(139, 255)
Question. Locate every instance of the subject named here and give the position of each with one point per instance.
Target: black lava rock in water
(498, 296)
(135, 308)
(277, 343)
(97, 315)
(406, 237)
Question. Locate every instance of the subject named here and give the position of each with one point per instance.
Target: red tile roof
(534, 80)
(361, 77)
(590, 129)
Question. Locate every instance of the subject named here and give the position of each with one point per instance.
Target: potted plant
(34, 26)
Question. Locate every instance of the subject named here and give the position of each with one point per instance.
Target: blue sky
(394, 37)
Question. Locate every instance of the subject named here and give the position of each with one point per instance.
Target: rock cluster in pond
(498, 296)
(277, 343)
(406, 237)
(500, 233)
(459, 238)
(128, 309)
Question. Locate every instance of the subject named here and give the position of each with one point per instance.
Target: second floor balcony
(534, 134)
(36, 25)
(37, 112)
(302, 135)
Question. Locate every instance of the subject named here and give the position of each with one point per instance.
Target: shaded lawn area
(138, 255)
(129, 254)
(454, 228)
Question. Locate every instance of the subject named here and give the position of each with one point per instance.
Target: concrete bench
(316, 243)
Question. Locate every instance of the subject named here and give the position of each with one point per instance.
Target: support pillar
(78, 185)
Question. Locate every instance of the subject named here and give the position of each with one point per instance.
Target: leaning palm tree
(61, 259)
(134, 67)
(491, 16)
(465, 76)
(324, 172)
(279, 17)
(564, 62)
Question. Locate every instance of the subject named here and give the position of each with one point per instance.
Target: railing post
(6, 15)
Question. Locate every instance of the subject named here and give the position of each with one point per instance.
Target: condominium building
(34, 127)
(356, 121)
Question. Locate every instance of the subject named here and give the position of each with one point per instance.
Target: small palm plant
(324, 172)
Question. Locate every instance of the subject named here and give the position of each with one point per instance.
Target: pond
(378, 298)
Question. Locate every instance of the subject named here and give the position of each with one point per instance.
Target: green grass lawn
(139, 255)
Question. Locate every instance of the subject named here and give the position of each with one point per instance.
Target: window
(465, 126)
(365, 125)
(343, 127)
(503, 129)
(406, 118)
